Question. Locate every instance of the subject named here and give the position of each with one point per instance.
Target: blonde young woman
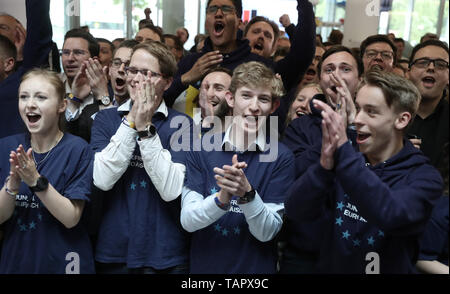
(46, 179)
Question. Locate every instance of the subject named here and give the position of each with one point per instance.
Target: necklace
(48, 152)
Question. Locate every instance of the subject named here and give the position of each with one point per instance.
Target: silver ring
(24, 167)
(338, 106)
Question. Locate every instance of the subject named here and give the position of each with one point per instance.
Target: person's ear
(62, 106)
(9, 64)
(230, 99)
(275, 105)
(402, 120)
(168, 83)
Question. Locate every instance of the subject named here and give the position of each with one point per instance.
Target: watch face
(106, 100)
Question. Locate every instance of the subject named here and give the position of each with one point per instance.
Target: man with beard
(223, 48)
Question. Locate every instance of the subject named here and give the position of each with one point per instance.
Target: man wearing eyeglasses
(224, 48)
(378, 52)
(428, 70)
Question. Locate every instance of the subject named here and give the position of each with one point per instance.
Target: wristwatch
(41, 185)
(104, 100)
(149, 132)
(248, 196)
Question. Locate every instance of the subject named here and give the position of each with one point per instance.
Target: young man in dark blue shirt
(233, 196)
(378, 200)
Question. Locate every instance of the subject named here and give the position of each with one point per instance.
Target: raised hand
(342, 93)
(334, 133)
(201, 67)
(146, 101)
(20, 38)
(80, 86)
(232, 179)
(285, 20)
(25, 166)
(98, 77)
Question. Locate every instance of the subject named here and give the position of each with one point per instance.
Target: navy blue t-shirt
(138, 227)
(35, 242)
(227, 246)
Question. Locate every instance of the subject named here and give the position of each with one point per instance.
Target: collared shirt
(259, 142)
(117, 155)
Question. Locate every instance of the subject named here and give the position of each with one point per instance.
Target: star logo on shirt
(143, 184)
(237, 231)
(40, 217)
(340, 205)
(224, 232)
(23, 228)
(218, 228)
(380, 233)
(339, 221)
(370, 241)
(356, 242)
(213, 190)
(345, 235)
(32, 225)
(133, 186)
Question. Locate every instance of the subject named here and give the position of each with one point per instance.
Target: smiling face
(251, 106)
(379, 128)
(222, 27)
(261, 37)
(117, 73)
(212, 91)
(344, 65)
(39, 105)
(300, 106)
(430, 81)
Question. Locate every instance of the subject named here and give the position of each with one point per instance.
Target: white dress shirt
(112, 162)
(264, 219)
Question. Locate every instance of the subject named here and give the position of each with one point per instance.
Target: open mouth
(428, 81)
(310, 72)
(300, 113)
(362, 137)
(219, 27)
(33, 118)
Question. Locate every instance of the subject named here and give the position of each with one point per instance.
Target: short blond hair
(399, 93)
(166, 59)
(256, 75)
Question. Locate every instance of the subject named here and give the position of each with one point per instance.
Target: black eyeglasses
(76, 52)
(439, 64)
(226, 9)
(132, 71)
(117, 62)
(385, 55)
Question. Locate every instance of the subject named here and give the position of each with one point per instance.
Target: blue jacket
(291, 68)
(381, 209)
(35, 53)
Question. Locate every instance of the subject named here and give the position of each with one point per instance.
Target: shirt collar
(258, 144)
(126, 107)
